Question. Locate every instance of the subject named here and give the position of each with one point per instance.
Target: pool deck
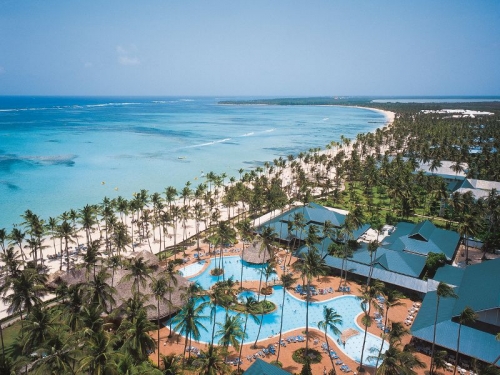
(316, 337)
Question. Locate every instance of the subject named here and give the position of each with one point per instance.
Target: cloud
(127, 56)
(126, 60)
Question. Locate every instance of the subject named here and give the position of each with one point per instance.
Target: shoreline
(189, 232)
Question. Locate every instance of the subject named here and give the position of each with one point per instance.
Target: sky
(250, 48)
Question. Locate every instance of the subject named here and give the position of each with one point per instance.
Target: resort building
(478, 188)
(477, 288)
(445, 170)
(400, 259)
(293, 226)
(260, 367)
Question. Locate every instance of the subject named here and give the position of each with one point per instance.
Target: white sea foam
(110, 104)
(248, 134)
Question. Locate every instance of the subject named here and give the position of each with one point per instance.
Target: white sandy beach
(190, 228)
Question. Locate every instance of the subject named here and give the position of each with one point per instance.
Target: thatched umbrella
(124, 289)
(148, 257)
(256, 253)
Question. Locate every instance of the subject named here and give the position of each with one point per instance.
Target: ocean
(61, 153)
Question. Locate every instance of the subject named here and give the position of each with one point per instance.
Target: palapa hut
(256, 253)
(125, 289)
(147, 256)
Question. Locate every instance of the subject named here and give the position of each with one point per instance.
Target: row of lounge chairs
(234, 361)
(193, 350)
(345, 289)
(270, 350)
(330, 351)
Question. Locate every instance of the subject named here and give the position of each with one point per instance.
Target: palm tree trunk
(308, 293)
(281, 323)
(158, 341)
(170, 299)
(261, 320)
(214, 323)
(458, 349)
(382, 343)
(364, 338)
(241, 276)
(241, 345)
(431, 370)
(1, 337)
(328, 347)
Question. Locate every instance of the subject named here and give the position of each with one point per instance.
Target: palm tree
(287, 280)
(249, 305)
(392, 299)
(313, 265)
(171, 277)
(246, 234)
(231, 332)
(226, 235)
(188, 321)
(468, 227)
(99, 356)
(159, 289)
(58, 352)
(368, 295)
(88, 220)
(212, 362)
(91, 256)
(100, 292)
(65, 231)
(331, 319)
(443, 291)
(26, 291)
(140, 271)
(73, 305)
(17, 237)
(36, 329)
(467, 316)
(52, 226)
(397, 361)
(170, 365)
(137, 340)
(268, 235)
(3, 237)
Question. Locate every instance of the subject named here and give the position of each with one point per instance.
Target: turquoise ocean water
(62, 153)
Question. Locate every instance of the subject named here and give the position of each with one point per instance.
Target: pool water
(192, 269)
(348, 307)
(232, 268)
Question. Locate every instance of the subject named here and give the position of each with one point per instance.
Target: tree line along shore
(374, 177)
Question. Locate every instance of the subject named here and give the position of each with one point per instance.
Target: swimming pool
(232, 268)
(192, 269)
(294, 315)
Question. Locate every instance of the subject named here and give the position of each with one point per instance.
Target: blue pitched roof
(422, 239)
(260, 367)
(449, 275)
(474, 343)
(478, 290)
(389, 260)
(389, 277)
(314, 214)
(422, 230)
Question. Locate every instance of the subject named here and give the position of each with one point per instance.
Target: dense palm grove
(86, 331)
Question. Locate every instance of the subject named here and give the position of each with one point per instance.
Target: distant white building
(478, 188)
(457, 113)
